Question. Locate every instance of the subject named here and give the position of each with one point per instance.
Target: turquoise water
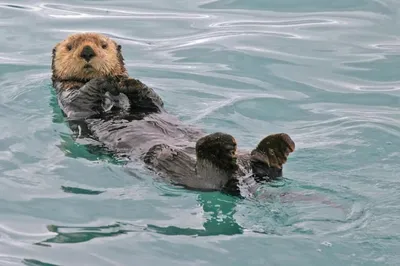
(326, 72)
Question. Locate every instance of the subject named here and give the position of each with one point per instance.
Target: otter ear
(53, 52)
(117, 45)
(119, 48)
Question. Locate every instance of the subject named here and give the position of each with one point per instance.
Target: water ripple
(324, 73)
(77, 12)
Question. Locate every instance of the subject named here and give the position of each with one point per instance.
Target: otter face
(85, 56)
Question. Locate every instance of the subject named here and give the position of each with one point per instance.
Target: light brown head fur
(68, 64)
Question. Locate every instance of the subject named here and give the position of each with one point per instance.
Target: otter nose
(87, 53)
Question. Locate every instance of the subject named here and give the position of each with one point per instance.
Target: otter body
(101, 101)
(120, 128)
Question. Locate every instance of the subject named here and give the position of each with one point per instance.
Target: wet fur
(180, 153)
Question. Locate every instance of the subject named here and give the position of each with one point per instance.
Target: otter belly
(136, 137)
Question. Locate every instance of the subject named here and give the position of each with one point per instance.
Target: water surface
(325, 72)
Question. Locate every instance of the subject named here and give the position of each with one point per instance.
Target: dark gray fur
(129, 118)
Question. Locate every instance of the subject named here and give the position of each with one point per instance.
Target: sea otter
(101, 101)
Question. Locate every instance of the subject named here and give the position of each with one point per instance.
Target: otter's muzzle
(87, 53)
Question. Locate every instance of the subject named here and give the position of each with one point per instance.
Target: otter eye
(104, 46)
(69, 47)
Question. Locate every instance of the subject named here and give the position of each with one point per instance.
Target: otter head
(85, 56)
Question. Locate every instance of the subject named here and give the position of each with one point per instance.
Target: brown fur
(69, 67)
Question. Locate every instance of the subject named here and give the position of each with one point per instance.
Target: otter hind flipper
(270, 154)
(215, 168)
(216, 162)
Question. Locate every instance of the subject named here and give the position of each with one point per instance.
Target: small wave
(74, 234)
(76, 12)
(33, 262)
(20, 7)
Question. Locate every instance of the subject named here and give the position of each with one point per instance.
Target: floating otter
(101, 101)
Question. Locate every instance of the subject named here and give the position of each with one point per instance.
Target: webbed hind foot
(270, 154)
(217, 163)
(218, 149)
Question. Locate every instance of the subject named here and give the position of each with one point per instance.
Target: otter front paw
(104, 84)
(270, 154)
(141, 97)
(218, 149)
(130, 85)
